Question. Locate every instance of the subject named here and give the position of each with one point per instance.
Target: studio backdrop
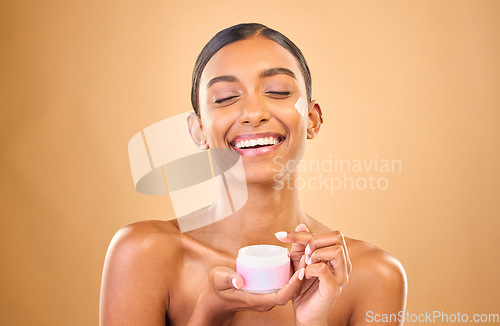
(407, 158)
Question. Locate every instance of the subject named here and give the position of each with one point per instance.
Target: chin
(258, 174)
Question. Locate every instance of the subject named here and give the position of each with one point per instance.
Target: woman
(251, 86)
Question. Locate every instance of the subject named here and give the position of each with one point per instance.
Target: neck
(269, 209)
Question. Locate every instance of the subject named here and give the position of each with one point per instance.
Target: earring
(203, 144)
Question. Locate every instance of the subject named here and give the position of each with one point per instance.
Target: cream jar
(264, 268)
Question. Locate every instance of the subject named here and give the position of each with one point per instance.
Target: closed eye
(225, 99)
(279, 94)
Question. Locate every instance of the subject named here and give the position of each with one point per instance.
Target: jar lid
(262, 256)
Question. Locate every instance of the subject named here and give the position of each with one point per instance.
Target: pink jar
(265, 268)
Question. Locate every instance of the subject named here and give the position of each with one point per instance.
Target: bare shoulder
(370, 255)
(145, 239)
(145, 233)
(140, 261)
(371, 262)
(377, 282)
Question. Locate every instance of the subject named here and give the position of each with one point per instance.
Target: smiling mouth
(257, 144)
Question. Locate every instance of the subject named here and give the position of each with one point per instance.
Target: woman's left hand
(327, 267)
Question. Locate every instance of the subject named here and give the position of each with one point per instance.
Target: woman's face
(249, 103)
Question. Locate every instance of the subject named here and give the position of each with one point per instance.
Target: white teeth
(254, 142)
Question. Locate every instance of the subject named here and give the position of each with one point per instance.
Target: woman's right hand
(222, 297)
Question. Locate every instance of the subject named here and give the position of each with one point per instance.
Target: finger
(297, 247)
(301, 228)
(302, 262)
(334, 258)
(224, 278)
(297, 250)
(326, 240)
(327, 282)
(301, 237)
(326, 255)
(322, 272)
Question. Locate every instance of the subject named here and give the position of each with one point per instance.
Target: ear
(196, 130)
(314, 120)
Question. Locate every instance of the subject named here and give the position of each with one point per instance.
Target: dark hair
(237, 33)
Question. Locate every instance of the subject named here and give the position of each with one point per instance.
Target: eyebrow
(276, 71)
(219, 79)
(264, 74)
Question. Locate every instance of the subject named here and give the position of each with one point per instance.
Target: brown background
(416, 81)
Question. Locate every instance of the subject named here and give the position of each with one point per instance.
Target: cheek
(216, 126)
(301, 106)
(297, 131)
(295, 121)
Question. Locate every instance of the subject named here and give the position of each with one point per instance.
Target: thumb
(224, 278)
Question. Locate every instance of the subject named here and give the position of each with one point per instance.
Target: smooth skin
(156, 275)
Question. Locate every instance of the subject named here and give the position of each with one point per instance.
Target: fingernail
(234, 283)
(281, 234)
(308, 260)
(301, 226)
(302, 259)
(301, 273)
(308, 250)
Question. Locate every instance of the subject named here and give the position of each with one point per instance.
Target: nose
(254, 113)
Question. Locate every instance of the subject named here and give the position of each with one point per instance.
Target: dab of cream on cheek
(301, 106)
(264, 268)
